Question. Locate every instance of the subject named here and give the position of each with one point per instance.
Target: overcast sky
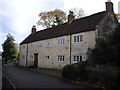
(18, 16)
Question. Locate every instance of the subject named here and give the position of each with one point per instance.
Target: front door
(36, 60)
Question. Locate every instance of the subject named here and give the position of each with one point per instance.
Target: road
(22, 78)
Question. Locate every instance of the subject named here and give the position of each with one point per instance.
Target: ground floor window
(61, 58)
(77, 58)
(47, 57)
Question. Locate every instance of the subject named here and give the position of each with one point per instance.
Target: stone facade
(67, 43)
(54, 49)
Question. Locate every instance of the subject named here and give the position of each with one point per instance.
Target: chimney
(109, 6)
(70, 16)
(33, 29)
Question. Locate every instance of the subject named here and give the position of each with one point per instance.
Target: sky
(18, 16)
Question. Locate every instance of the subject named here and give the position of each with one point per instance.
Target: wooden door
(36, 60)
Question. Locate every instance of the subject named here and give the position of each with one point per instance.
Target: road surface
(22, 78)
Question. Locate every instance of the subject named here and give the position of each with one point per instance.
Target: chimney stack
(70, 16)
(33, 29)
(109, 6)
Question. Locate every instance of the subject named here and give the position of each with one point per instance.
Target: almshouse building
(67, 43)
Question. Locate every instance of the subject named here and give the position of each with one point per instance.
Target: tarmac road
(22, 78)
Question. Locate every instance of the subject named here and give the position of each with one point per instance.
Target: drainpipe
(27, 56)
(70, 47)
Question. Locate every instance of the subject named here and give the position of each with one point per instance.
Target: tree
(107, 51)
(57, 17)
(52, 18)
(9, 49)
(78, 13)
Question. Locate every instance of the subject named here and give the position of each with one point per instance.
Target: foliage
(102, 74)
(57, 17)
(52, 18)
(107, 51)
(78, 13)
(9, 48)
(73, 71)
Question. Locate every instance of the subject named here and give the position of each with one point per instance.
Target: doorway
(36, 60)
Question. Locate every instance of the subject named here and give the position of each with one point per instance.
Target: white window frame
(48, 43)
(31, 45)
(23, 57)
(23, 47)
(77, 58)
(61, 58)
(61, 41)
(31, 57)
(78, 38)
(39, 44)
(47, 57)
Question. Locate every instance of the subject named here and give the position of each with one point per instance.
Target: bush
(74, 71)
(102, 74)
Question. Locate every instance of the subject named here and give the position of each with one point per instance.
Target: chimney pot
(33, 29)
(70, 16)
(109, 6)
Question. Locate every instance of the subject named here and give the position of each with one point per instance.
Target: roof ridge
(84, 24)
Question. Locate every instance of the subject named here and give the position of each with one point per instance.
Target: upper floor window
(61, 58)
(77, 58)
(31, 45)
(61, 41)
(78, 39)
(48, 43)
(23, 56)
(23, 47)
(38, 44)
(31, 56)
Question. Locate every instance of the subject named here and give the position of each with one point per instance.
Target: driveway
(22, 78)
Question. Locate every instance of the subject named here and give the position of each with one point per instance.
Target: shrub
(74, 71)
(102, 74)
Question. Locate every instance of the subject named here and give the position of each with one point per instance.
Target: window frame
(47, 57)
(77, 58)
(61, 41)
(39, 44)
(78, 38)
(48, 43)
(61, 58)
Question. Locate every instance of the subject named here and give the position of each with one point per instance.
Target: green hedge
(73, 71)
(102, 74)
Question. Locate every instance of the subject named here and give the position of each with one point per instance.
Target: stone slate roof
(84, 24)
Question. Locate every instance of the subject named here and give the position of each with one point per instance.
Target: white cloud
(89, 6)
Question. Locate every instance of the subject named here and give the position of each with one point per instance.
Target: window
(61, 41)
(23, 46)
(31, 56)
(31, 45)
(47, 57)
(48, 43)
(61, 58)
(78, 39)
(23, 57)
(38, 44)
(77, 58)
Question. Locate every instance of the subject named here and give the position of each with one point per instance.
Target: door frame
(36, 60)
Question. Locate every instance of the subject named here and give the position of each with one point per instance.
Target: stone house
(67, 43)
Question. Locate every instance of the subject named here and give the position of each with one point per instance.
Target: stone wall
(54, 49)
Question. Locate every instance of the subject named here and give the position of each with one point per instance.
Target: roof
(84, 24)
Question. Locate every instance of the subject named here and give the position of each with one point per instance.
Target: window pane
(81, 38)
(74, 39)
(77, 58)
